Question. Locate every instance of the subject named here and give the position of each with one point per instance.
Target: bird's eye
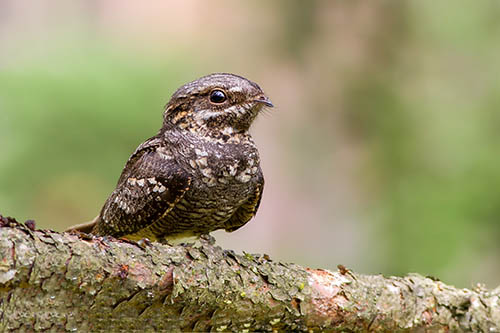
(217, 96)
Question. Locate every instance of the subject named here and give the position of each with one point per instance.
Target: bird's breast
(226, 171)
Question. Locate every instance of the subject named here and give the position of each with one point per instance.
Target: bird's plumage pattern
(200, 173)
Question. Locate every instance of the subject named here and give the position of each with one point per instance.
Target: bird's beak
(264, 100)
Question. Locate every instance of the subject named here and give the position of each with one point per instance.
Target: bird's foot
(144, 243)
(207, 238)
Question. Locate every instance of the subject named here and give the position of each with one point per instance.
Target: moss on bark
(59, 281)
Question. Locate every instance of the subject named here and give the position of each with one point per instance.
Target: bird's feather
(149, 187)
(247, 210)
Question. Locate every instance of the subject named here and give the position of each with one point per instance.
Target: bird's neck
(216, 134)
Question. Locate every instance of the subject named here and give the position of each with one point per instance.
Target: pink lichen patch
(137, 272)
(427, 317)
(327, 297)
(167, 281)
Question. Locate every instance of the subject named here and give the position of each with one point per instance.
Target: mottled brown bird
(200, 173)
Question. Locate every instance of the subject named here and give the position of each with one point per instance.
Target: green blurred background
(382, 152)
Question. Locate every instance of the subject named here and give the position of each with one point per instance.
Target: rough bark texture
(57, 281)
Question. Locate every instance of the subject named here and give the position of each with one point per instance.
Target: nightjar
(200, 173)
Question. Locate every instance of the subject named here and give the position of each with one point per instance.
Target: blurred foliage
(298, 26)
(431, 124)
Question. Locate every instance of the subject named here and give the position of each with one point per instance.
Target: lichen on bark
(62, 282)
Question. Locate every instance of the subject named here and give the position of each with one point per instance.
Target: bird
(200, 173)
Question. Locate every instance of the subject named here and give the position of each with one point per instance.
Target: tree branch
(59, 281)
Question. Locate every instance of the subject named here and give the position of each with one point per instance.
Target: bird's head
(217, 105)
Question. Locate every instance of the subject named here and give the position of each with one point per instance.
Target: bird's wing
(130, 167)
(247, 210)
(150, 185)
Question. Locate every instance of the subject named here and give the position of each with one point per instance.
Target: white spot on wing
(164, 153)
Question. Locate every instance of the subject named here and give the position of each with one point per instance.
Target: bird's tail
(84, 227)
